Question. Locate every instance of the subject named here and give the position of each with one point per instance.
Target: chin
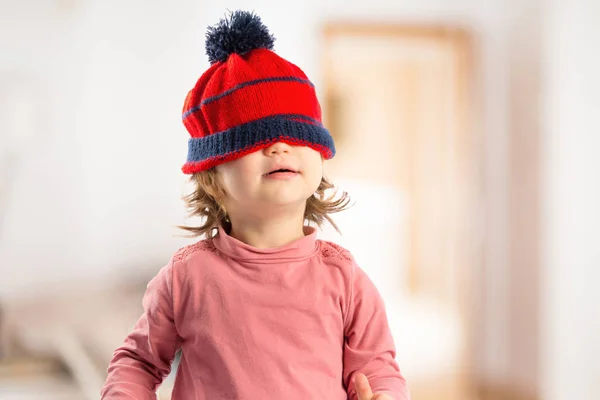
(284, 199)
(282, 202)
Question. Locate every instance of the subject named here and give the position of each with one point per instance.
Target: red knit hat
(249, 98)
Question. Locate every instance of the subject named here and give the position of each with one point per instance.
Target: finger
(363, 389)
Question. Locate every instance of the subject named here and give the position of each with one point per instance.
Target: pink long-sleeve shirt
(295, 322)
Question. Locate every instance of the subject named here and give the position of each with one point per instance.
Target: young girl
(260, 309)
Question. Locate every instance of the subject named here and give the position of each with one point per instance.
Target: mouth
(282, 171)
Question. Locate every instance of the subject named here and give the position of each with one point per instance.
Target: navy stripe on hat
(243, 85)
(263, 130)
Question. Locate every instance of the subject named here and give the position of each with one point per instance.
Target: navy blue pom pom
(242, 32)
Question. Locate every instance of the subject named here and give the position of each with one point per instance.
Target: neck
(270, 232)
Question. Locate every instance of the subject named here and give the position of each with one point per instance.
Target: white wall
(43, 210)
(524, 196)
(571, 247)
(137, 73)
(100, 196)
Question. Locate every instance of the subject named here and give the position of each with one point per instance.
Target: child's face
(251, 185)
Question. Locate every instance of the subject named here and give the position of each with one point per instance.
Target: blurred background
(468, 135)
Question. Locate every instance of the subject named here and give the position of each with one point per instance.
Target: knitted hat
(249, 98)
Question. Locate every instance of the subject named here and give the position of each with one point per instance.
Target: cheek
(227, 179)
(235, 186)
(238, 181)
(315, 176)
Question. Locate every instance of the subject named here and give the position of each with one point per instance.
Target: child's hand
(363, 389)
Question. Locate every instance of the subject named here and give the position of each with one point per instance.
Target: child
(261, 309)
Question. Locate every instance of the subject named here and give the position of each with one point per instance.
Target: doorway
(397, 102)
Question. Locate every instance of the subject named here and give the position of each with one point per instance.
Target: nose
(277, 148)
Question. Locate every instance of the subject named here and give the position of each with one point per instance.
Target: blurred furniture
(26, 378)
(73, 334)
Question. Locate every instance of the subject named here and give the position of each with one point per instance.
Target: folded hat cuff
(207, 152)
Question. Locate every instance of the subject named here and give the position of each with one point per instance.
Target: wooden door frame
(458, 36)
(463, 40)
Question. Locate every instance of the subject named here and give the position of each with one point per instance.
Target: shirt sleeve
(143, 361)
(368, 346)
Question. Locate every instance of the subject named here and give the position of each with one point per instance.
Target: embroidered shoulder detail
(332, 250)
(203, 245)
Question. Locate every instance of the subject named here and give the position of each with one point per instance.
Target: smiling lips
(281, 173)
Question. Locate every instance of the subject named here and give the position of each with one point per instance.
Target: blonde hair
(206, 202)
